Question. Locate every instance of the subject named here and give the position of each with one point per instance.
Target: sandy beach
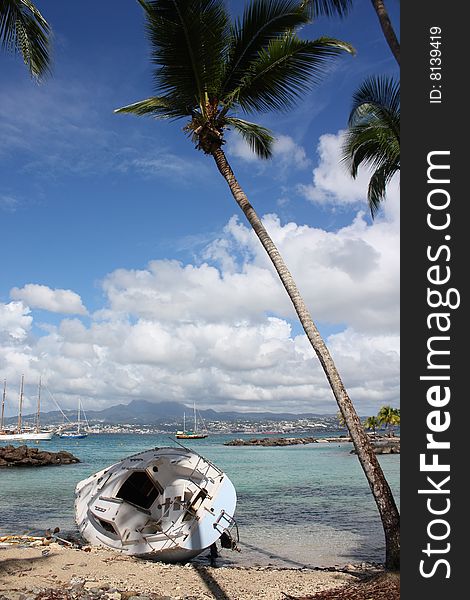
(57, 571)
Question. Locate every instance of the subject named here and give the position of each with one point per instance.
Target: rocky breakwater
(23, 456)
(272, 441)
(385, 446)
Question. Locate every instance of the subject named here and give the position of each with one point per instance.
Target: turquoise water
(297, 505)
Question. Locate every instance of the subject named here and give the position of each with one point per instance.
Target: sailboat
(20, 433)
(166, 504)
(191, 434)
(78, 433)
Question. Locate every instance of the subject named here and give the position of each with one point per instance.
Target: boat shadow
(211, 583)
(272, 555)
(12, 566)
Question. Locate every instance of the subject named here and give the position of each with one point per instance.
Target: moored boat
(165, 504)
(78, 433)
(20, 433)
(191, 434)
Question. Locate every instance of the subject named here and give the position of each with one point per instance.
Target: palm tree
(371, 423)
(206, 69)
(373, 135)
(342, 7)
(23, 29)
(389, 417)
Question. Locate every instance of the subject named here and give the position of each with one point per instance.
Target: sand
(25, 572)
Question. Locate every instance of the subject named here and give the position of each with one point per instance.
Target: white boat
(165, 504)
(192, 434)
(78, 433)
(21, 433)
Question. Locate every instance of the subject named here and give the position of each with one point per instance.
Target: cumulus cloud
(332, 183)
(15, 321)
(57, 301)
(221, 330)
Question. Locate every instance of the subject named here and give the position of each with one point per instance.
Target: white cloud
(287, 154)
(57, 301)
(332, 183)
(15, 321)
(220, 330)
(290, 154)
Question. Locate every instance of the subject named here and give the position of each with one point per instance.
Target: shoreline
(98, 573)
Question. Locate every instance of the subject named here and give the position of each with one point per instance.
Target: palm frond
(284, 70)
(329, 8)
(159, 107)
(188, 39)
(377, 98)
(373, 136)
(377, 189)
(23, 29)
(257, 137)
(371, 145)
(261, 22)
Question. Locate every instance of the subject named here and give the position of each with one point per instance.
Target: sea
(297, 506)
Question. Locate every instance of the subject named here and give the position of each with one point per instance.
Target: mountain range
(143, 412)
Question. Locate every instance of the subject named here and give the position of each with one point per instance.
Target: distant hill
(143, 412)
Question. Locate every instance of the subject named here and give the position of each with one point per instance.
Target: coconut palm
(371, 423)
(342, 7)
(207, 71)
(389, 417)
(23, 29)
(373, 135)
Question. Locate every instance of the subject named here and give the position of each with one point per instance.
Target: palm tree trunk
(387, 28)
(377, 482)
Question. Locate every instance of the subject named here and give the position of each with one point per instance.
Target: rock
(385, 447)
(271, 442)
(23, 456)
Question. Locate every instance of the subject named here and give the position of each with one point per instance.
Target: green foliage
(209, 68)
(330, 8)
(373, 136)
(389, 417)
(372, 423)
(23, 29)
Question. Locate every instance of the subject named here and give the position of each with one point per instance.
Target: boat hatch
(140, 490)
(104, 526)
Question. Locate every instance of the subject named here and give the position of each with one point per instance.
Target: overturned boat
(165, 504)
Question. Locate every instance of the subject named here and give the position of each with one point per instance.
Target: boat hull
(23, 437)
(165, 504)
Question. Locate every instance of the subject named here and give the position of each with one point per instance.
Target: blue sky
(127, 270)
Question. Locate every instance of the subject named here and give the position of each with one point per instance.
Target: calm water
(297, 505)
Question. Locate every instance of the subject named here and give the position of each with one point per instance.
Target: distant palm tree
(373, 136)
(207, 70)
(372, 423)
(342, 7)
(389, 417)
(23, 29)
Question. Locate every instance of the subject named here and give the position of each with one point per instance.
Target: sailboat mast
(3, 403)
(39, 406)
(78, 423)
(195, 423)
(20, 404)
